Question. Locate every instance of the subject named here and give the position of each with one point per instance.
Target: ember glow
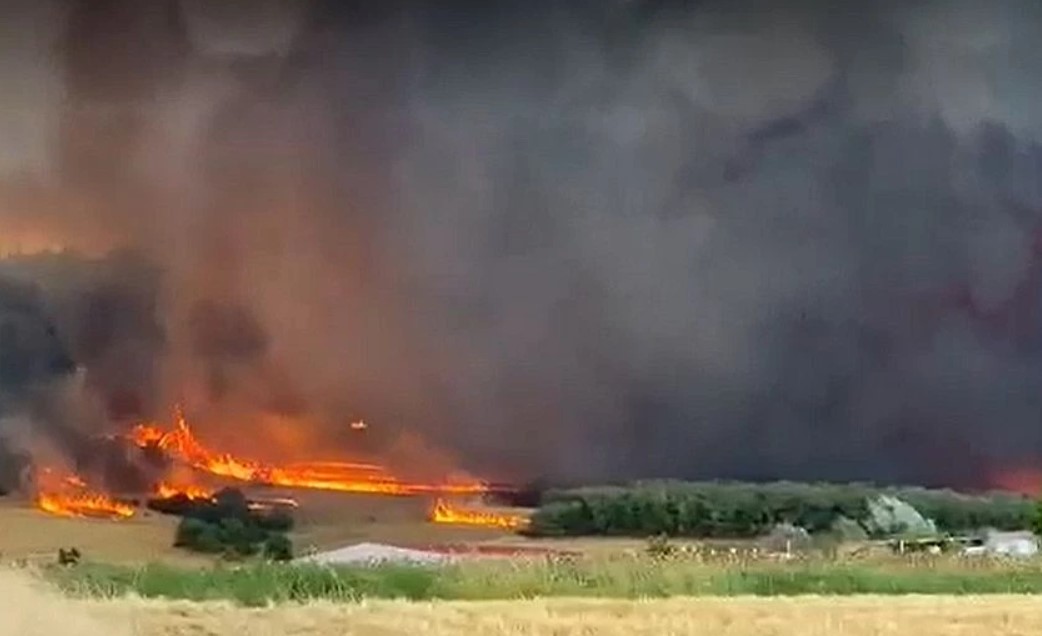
(181, 444)
(444, 512)
(69, 496)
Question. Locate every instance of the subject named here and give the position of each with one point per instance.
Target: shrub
(240, 538)
(659, 547)
(224, 524)
(235, 535)
(69, 557)
(278, 547)
(188, 531)
(199, 536)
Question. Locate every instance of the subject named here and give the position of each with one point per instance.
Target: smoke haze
(579, 241)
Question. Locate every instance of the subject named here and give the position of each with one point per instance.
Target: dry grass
(28, 609)
(26, 533)
(325, 520)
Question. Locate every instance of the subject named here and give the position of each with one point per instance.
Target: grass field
(622, 577)
(28, 609)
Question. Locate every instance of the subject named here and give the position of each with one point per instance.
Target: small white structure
(375, 554)
(1018, 544)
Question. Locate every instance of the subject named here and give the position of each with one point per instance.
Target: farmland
(30, 610)
(131, 576)
(633, 576)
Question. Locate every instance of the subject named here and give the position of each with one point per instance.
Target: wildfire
(166, 491)
(444, 512)
(69, 496)
(181, 444)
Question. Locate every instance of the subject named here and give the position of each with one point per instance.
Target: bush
(239, 538)
(278, 547)
(198, 536)
(227, 526)
(742, 510)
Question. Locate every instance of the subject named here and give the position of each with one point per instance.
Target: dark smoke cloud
(79, 353)
(580, 240)
(32, 360)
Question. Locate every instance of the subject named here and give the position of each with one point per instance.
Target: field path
(28, 609)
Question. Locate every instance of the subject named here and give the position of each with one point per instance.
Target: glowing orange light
(166, 491)
(444, 512)
(181, 444)
(69, 496)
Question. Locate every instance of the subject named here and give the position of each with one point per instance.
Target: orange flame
(69, 496)
(181, 444)
(166, 491)
(198, 493)
(444, 512)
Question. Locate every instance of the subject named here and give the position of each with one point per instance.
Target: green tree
(1036, 521)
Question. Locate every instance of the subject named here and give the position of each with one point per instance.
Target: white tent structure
(375, 554)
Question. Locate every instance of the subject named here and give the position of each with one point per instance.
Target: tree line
(739, 510)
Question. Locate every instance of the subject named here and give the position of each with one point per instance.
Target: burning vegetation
(167, 491)
(185, 494)
(448, 513)
(181, 444)
(67, 495)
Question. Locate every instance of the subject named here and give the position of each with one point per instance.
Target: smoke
(595, 241)
(79, 350)
(32, 362)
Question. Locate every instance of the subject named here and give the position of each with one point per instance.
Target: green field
(620, 577)
(30, 609)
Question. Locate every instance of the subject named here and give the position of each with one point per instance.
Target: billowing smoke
(32, 362)
(581, 240)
